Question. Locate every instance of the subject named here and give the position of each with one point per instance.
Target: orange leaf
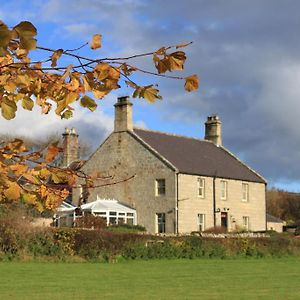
(13, 192)
(96, 41)
(191, 83)
(52, 152)
(55, 56)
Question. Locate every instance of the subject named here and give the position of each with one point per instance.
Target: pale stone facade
(166, 199)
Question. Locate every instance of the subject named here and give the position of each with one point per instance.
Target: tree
(29, 175)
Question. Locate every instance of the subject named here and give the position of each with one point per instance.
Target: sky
(246, 54)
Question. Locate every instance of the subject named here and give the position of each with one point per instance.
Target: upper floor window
(160, 187)
(201, 187)
(223, 189)
(245, 192)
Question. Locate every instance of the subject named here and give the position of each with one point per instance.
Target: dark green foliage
(126, 228)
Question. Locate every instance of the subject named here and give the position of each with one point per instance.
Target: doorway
(224, 220)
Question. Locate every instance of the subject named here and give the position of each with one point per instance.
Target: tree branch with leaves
(50, 85)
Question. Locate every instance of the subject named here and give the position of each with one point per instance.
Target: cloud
(245, 52)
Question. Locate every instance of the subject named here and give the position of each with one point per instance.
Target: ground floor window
(201, 222)
(161, 222)
(246, 223)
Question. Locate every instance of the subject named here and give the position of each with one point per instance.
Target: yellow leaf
(100, 93)
(25, 28)
(161, 51)
(8, 109)
(27, 103)
(26, 31)
(43, 191)
(67, 114)
(13, 192)
(88, 102)
(183, 45)
(18, 169)
(88, 81)
(29, 198)
(5, 35)
(150, 94)
(147, 92)
(96, 41)
(191, 83)
(55, 56)
(176, 60)
(17, 146)
(10, 86)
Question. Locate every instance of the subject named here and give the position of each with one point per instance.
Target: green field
(165, 279)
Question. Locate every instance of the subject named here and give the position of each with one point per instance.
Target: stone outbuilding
(176, 184)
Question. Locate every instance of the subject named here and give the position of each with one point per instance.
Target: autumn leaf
(191, 83)
(16, 146)
(162, 65)
(52, 152)
(67, 114)
(96, 41)
(26, 32)
(148, 92)
(27, 103)
(183, 45)
(18, 169)
(55, 56)
(5, 35)
(13, 192)
(88, 102)
(176, 60)
(8, 109)
(161, 51)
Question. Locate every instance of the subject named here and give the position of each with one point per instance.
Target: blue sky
(246, 54)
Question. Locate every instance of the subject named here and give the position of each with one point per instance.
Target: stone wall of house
(122, 156)
(276, 226)
(190, 205)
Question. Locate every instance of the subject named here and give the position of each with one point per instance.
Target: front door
(224, 220)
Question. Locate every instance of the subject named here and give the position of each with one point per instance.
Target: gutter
(214, 200)
(176, 205)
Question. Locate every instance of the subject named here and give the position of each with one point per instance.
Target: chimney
(123, 115)
(70, 146)
(213, 130)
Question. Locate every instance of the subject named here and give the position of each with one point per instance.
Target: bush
(90, 221)
(126, 228)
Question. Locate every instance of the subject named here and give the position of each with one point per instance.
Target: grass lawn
(159, 279)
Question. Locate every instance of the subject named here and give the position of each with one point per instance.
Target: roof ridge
(174, 134)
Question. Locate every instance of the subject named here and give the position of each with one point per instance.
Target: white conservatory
(113, 211)
(110, 209)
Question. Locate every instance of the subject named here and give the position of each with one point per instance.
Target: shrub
(90, 221)
(126, 228)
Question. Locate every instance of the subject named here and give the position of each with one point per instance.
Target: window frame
(225, 189)
(159, 187)
(245, 192)
(201, 187)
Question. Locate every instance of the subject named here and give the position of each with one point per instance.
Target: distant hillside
(284, 205)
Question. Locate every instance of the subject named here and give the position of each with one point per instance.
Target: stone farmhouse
(175, 183)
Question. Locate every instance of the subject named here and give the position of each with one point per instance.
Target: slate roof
(273, 219)
(198, 157)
